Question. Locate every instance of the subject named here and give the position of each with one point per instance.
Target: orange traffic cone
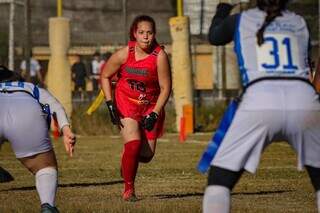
(182, 133)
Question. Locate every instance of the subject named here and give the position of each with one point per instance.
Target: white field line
(276, 167)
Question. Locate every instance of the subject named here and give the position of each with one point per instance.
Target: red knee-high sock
(130, 161)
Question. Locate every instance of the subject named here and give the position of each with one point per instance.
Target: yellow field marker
(96, 103)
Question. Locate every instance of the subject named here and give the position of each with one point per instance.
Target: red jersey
(138, 89)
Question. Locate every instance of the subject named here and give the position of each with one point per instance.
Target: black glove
(115, 119)
(149, 121)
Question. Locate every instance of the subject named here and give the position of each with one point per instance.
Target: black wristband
(154, 114)
(109, 103)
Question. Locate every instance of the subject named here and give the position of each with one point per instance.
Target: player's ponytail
(273, 8)
(7, 75)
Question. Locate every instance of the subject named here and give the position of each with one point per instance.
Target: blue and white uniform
(272, 110)
(22, 121)
(284, 51)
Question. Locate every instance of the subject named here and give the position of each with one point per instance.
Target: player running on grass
(279, 103)
(141, 93)
(24, 123)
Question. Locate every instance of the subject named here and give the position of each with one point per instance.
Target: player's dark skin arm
(223, 25)
(316, 79)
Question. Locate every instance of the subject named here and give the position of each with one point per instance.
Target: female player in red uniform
(142, 90)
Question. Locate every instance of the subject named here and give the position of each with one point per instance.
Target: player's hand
(149, 121)
(115, 119)
(69, 140)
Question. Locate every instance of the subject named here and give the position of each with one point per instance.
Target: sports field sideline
(91, 182)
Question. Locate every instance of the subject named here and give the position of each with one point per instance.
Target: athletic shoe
(129, 196)
(5, 176)
(47, 208)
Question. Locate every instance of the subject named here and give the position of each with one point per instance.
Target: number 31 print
(279, 53)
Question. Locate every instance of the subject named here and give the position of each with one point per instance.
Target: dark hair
(273, 8)
(139, 19)
(96, 53)
(7, 75)
(106, 55)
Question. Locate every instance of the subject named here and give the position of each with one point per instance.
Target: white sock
(318, 200)
(216, 199)
(46, 184)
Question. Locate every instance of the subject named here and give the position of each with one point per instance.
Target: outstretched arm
(164, 77)
(110, 69)
(69, 138)
(164, 80)
(222, 26)
(112, 66)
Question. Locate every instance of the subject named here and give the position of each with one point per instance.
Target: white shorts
(23, 124)
(291, 113)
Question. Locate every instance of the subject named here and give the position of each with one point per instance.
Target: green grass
(98, 123)
(90, 181)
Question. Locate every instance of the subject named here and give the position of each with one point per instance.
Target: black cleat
(5, 176)
(47, 208)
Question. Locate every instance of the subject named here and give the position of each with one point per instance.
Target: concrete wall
(100, 22)
(93, 22)
(200, 11)
(100, 25)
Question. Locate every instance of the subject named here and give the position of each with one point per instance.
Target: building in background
(102, 26)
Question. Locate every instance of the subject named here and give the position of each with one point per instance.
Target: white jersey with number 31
(284, 51)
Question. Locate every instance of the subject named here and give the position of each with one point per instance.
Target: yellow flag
(96, 103)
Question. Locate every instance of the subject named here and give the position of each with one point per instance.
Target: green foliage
(170, 121)
(98, 123)
(207, 118)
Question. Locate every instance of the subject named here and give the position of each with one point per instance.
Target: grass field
(90, 181)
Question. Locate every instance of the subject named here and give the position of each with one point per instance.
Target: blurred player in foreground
(24, 119)
(142, 90)
(279, 102)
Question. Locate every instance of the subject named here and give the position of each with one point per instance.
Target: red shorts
(132, 108)
(158, 129)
